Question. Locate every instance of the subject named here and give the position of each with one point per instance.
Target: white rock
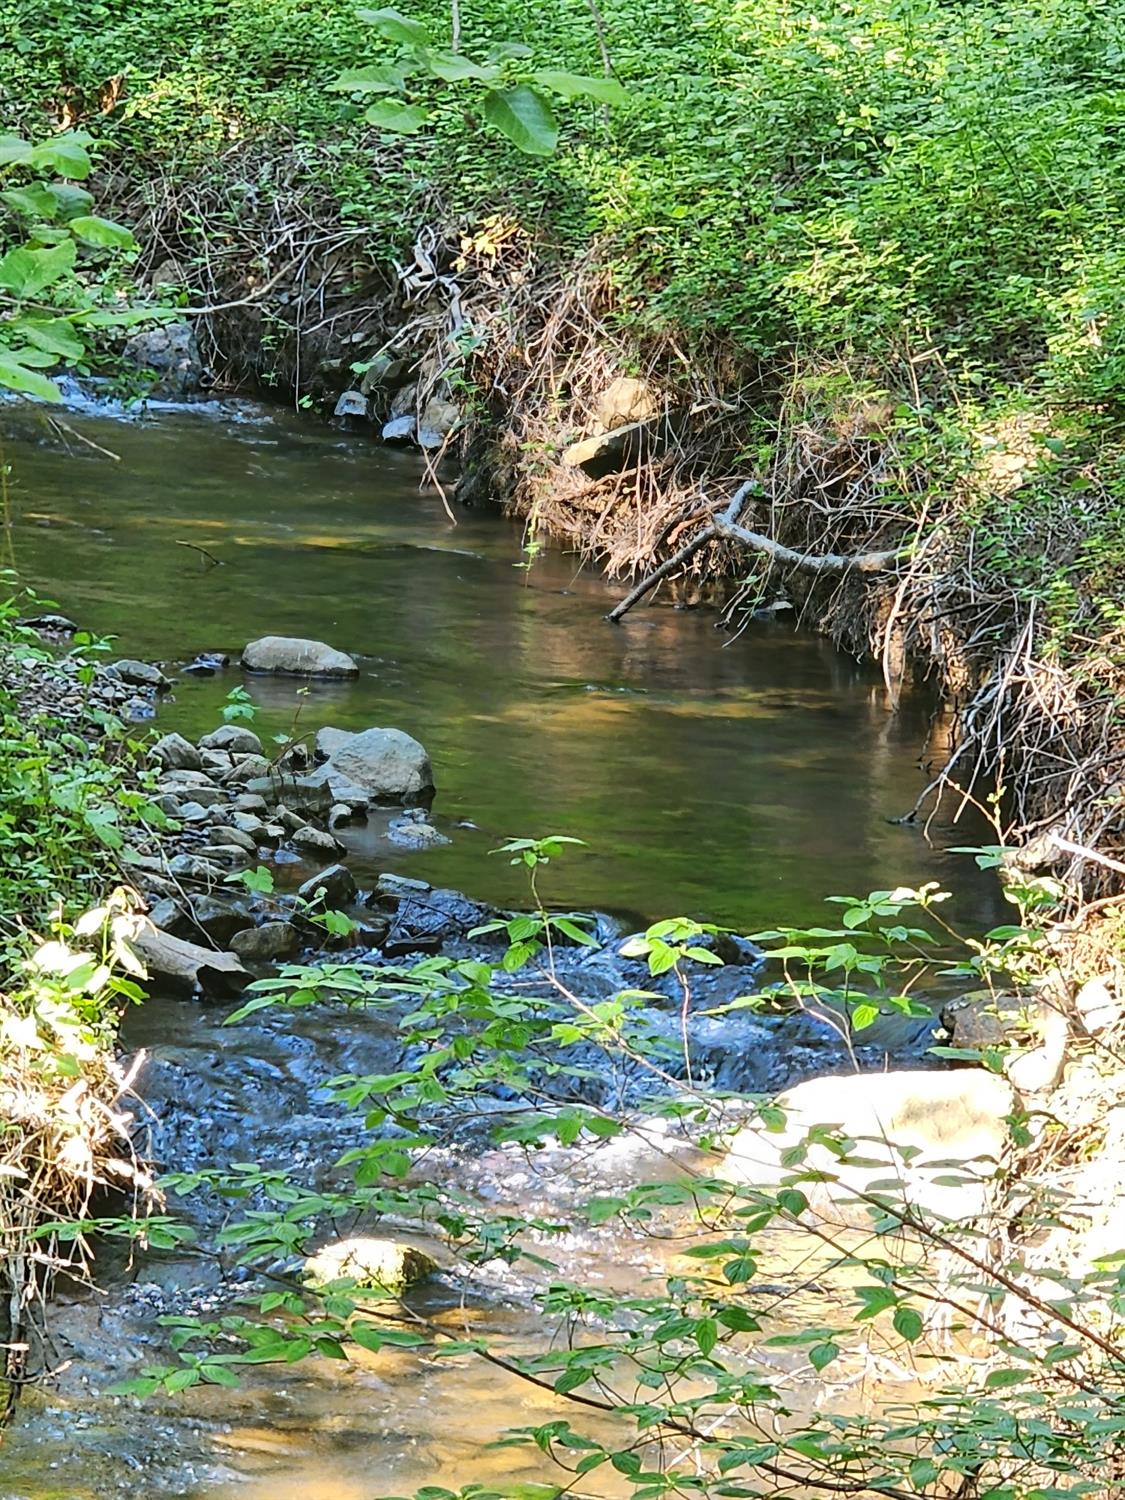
(292, 656)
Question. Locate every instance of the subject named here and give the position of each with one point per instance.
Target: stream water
(740, 780)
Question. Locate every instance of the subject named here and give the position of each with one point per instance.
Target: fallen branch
(216, 562)
(726, 528)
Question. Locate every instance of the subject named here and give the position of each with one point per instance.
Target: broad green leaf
(396, 27)
(65, 154)
(821, 1355)
(102, 232)
(452, 67)
(578, 85)
(25, 273)
(379, 78)
(13, 150)
(863, 1016)
(908, 1324)
(35, 201)
(524, 117)
(17, 377)
(56, 336)
(390, 114)
(71, 199)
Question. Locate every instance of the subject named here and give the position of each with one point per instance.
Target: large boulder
(172, 354)
(387, 764)
(930, 1140)
(623, 401)
(292, 656)
(386, 1266)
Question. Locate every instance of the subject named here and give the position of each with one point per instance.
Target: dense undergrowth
(868, 256)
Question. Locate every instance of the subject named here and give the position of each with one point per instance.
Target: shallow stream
(739, 780)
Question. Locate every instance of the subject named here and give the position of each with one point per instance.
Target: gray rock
(168, 914)
(424, 921)
(246, 768)
(175, 753)
(309, 793)
(296, 758)
(178, 781)
(398, 429)
(206, 796)
(410, 834)
(293, 656)
(215, 763)
(289, 819)
(193, 812)
(218, 918)
(196, 868)
(395, 886)
(250, 802)
(232, 856)
(264, 944)
(437, 421)
(337, 883)
(340, 814)
(386, 763)
(172, 354)
(315, 841)
(226, 835)
(610, 451)
(168, 804)
(351, 404)
(188, 967)
(233, 738)
(908, 1128)
(329, 740)
(137, 673)
(252, 824)
(341, 790)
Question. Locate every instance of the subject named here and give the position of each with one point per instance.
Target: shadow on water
(740, 781)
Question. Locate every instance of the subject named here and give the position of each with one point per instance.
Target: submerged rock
(293, 656)
(932, 1140)
(379, 1265)
(137, 673)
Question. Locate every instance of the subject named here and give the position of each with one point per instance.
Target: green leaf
(864, 1015)
(452, 67)
(578, 85)
(1001, 1378)
(379, 78)
(391, 114)
(102, 232)
(821, 1355)
(17, 377)
(25, 273)
(56, 336)
(524, 117)
(35, 201)
(706, 1335)
(396, 27)
(65, 154)
(13, 150)
(908, 1323)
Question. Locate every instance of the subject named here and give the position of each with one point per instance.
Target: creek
(735, 779)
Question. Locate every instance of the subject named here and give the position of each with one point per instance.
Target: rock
(231, 856)
(1097, 1004)
(398, 430)
(329, 740)
(385, 373)
(169, 273)
(351, 404)
(217, 918)
(289, 819)
(410, 834)
(169, 805)
(342, 791)
(307, 792)
(424, 921)
(625, 400)
(396, 886)
(195, 867)
(250, 802)
(234, 739)
(1039, 1069)
(215, 762)
(296, 758)
(293, 656)
(404, 402)
(204, 796)
(386, 763)
(977, 1023)
(172, 354)
(373, 1264)
(175, 753)
(137, 673)
(224, 834)
(608, 452)
(941, 1118)
(180, 782)
(264, 944)
(336, 882)
(193, 812)
(340, 814)
(251, 823)
(188, 967)
(50, 624)
(312, 840)
(246, 768)
(436, 422)
(207, 663)
(169, 916)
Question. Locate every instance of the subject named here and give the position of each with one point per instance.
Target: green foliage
(59, 266)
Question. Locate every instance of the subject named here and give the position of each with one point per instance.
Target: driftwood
(726, 527)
